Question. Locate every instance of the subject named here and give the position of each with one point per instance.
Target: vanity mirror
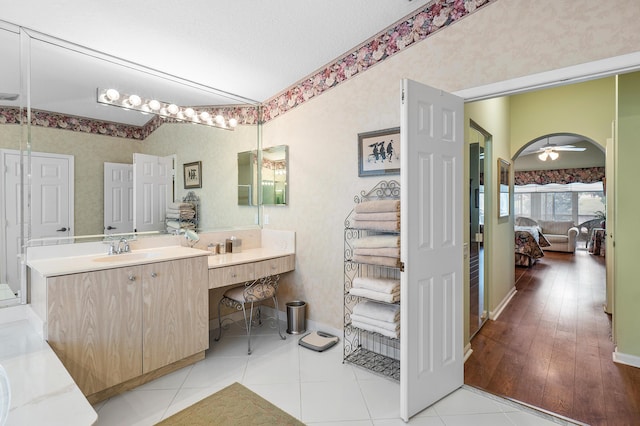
(68, 125)
(273, 176)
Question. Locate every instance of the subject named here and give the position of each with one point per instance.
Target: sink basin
(125, 257)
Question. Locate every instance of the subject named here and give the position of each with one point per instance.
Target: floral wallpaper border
(424, 22)
(432, 17)
(11, 115)
(562, 176)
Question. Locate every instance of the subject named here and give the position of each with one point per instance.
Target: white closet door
(431, 354)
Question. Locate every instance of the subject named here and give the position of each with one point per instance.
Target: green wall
(627, 287)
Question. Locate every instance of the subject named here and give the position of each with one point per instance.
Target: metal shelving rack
(373, 351)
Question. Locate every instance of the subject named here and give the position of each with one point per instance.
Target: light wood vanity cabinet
(113, 326)
(274, 266)
(95, 326)
(175, 311)
(235, 274)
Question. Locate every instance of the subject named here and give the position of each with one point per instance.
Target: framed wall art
(193, 175)
(504, 168)
(379, 152)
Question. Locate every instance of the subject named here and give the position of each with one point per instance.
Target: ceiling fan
(550, 150)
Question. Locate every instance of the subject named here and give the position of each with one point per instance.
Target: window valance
(561, 176)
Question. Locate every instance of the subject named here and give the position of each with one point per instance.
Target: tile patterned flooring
(317, 388)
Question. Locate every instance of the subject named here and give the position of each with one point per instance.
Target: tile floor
(315, 387)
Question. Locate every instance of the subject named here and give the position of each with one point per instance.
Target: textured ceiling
(251, 48)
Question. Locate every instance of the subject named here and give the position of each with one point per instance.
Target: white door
(610, 251)
(118, 198)
(51, 205)
(431, 354)
(152, 191)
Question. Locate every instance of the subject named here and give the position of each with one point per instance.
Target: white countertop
(247, 256)
(42, 391)
(54, 266)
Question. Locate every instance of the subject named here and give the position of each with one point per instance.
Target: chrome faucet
(122, 247)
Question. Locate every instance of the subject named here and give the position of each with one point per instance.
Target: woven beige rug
(233, 405)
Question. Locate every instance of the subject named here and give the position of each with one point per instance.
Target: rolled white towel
(383, 331)
(383, 285)
(391, 326)
(379, 311)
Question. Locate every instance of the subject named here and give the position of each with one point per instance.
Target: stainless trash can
(296, 317)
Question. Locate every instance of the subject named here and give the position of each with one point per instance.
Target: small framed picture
(193, 175)
(504, 169)
(379, 152)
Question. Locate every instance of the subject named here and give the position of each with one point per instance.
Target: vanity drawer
(275, 266)
(220, 277)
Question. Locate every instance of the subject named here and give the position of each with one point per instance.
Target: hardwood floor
(551, 347)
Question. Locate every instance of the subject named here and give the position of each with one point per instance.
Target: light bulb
(135, 100)
(233, 122)
(154, 105)
(189, 112)
(113, 95)
(205, 116)
(543, 156)
(145, 109)
(554, 155)
(173, 109)
(219, 119)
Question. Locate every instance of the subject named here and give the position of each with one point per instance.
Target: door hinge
(401, 266)
(403, 96)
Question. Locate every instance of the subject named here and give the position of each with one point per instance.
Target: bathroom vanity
(118, 321)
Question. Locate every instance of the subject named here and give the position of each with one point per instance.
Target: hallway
(551, 347)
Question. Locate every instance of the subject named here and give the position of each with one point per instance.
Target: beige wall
(507, 39)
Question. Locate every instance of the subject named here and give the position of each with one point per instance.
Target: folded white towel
(174, 224)
(377, 241)
(378, 206)
(379, 251)
(392, 262)
(172, 215)
(383, 285)
(178, 206)
(391, 326)
(376, 295)
(377, 225)
(369, 327)
(377, 216)
(379, 311)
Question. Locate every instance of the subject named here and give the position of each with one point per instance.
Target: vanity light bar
(164, 109)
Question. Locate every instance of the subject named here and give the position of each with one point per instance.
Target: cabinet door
(175, 311)
(275, 266)
(95, 326)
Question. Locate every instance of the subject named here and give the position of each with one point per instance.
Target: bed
(529, 242)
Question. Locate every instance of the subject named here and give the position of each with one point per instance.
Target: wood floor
(551, 347)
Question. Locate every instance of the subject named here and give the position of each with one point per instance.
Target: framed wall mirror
(267, 184)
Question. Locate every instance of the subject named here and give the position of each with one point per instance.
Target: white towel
(376, 295)
(382, 285)
(392, 262)
(391, 326)
(379, 311)
(377, 225)
(173, 224)
(380, 251)
(377, 241)
(178, 206)
(378, 206)
(369, 327)
(377, 216)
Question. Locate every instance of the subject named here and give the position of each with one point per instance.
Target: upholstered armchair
(561, 234)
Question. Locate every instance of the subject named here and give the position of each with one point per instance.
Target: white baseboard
(467, 352)
(493, 315)
(622, 358)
